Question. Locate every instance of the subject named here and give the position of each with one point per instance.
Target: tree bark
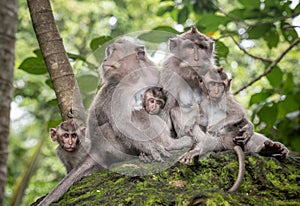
(56, 59)
(8, 29)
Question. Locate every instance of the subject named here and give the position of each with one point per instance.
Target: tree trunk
(8, 29)
(56, 59)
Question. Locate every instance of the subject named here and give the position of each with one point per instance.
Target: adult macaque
(228, 127)
(126, 69)
(154, 100)
(69, 150)
(192, 55)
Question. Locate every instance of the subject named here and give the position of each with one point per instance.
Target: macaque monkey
(154, 101)
(70, 150)
(192, 55)
(113, 138)
(228, 127)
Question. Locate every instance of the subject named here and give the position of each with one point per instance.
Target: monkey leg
(264, 146)
(182, 142)
(206, 143)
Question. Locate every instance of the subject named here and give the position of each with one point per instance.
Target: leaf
(164, 9)
(250, 3)
(88, 83)
(49, 83)
(288, 86)
(182, 15)
(288, 31)
(258, 31)
(275, 77)
(289, 104)
(53, 102)
(166, 29)
(38, 53)
(272, 37)
(268, 114)
(75, 56)
(155, 36)
(246, 13)
(260, 97)
(222, 49)
(211, 22)
(33, 65)
(95, 43)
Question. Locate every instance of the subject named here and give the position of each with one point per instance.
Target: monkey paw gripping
(188, 157)
(155, 154)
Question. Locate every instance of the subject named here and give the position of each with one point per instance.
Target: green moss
(267, 181)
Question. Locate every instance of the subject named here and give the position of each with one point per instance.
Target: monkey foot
(188, 157)
(275, 149)
(145, 158)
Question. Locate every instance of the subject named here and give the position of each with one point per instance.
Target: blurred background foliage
(249, 34)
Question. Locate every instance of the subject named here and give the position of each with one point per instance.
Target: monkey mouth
(69, 149)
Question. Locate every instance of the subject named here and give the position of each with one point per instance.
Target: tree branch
(56, 59)
(271, 67)
(246, 52)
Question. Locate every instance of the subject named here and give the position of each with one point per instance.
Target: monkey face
(215, 90)
(68, 140)
(194, 52)
(154, 106)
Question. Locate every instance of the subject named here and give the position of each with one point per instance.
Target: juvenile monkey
(192, 55)
(69, 150)
(154, 100)
(228, 127)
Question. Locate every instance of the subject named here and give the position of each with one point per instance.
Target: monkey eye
(66, 135)
(159, 103)
(201, 46)
(151, 100)
(74, 135)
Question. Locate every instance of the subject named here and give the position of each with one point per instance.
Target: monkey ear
(194, 29)
(172, 44)
(228, 84)
(141, 53)
(53, 134)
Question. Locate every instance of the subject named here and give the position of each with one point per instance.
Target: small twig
(271, 67)
(246, 52)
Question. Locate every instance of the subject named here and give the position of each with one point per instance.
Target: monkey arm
(235, 113)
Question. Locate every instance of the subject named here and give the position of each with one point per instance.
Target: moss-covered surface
(267, 181)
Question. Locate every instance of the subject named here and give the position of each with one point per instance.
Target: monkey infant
(70, 150)
(154, 100)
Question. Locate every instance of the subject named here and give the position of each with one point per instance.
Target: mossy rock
(267, 181)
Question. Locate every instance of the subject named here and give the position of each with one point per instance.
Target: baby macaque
(228, 127)
(69, 150)
(154, 100)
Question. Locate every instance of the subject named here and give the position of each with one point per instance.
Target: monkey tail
(241, 156)
(73, 176)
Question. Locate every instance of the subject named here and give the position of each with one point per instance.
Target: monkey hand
(187, 158)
